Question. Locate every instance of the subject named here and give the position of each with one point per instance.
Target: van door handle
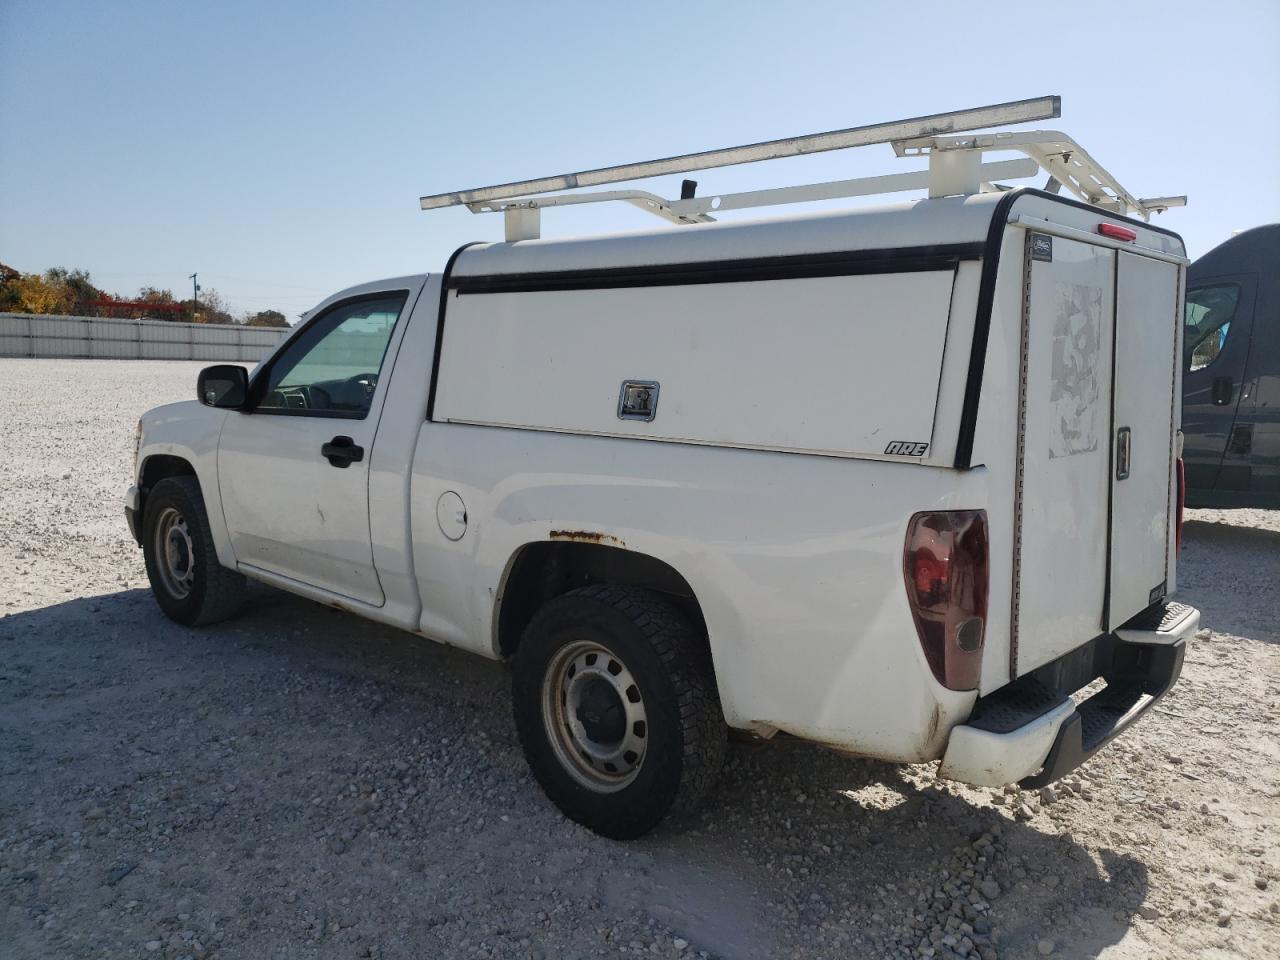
(1123, 443)
(342, 452)
(1222, 390)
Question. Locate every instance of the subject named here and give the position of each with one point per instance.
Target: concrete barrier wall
(26, 335)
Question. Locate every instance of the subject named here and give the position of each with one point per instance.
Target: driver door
(293, 469)
(1216, 339)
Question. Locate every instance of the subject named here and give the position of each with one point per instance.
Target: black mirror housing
(224, 385)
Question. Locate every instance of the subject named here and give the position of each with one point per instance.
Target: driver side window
(331, 369)
(1208, 315)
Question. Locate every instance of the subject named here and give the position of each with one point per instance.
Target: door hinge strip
(1020, 468)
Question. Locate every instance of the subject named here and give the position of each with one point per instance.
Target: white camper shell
(901, 479)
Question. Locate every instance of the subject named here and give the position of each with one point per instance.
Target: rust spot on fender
(588, 536)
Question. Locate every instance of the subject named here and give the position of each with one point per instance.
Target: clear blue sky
(280, 148)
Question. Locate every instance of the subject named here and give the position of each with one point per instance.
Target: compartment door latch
(1123, 443)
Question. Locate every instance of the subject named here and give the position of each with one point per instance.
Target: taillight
(945, 563)
(1182, 502)
(1117, 232)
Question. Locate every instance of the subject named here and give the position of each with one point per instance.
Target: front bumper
(1032, 732)
(132, 501)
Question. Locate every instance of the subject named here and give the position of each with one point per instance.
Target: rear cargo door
(1142, 480)
(1060, 558)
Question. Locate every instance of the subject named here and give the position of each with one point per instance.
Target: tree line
(73, 293)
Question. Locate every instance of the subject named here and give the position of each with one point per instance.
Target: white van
(897, 480)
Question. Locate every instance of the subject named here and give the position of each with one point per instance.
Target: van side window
(1208, 316)
(331, 369)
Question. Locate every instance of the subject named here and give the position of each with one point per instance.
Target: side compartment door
(1142, 479)
(293, 472)
(1061, 548)
(1216, 341)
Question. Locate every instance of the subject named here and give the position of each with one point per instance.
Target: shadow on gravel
(825, 834)
(1224, 569)
(300, 763)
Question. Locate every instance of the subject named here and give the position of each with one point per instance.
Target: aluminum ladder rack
(956, 168)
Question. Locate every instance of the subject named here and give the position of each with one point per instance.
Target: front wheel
(189, 584)
(616, 708)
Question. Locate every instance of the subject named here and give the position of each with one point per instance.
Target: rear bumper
(1032, 732)
(132, 498)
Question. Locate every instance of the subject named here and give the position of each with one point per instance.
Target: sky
(279, 149)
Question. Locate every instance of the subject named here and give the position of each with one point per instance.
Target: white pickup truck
(898, 480)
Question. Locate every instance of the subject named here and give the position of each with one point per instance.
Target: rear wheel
(189, 584)
(616, 708)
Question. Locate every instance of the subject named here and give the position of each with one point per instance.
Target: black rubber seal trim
(444, 298)
(1111, 442)
(838, 264)
(986, 301)
(982, 328)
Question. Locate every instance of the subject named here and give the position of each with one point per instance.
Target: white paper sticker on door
(1074, 387)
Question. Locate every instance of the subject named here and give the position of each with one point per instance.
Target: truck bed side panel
(725, 356)
(800, 582)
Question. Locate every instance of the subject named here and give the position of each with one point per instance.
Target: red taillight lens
(1117, 232)
(1182, 502)
(946, 572)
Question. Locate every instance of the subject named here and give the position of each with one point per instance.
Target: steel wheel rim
(595, 716)
(175, 555)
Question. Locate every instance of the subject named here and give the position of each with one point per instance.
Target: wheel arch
(161, 460)
(538, 571)
(161, 466)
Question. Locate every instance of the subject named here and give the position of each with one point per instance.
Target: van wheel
(190, 585)
(616, 708)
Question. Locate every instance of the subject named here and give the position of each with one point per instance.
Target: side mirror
(224, 385)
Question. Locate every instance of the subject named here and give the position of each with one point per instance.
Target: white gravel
(299, 783)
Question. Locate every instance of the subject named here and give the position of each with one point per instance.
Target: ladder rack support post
(954, 172)
(522, 223)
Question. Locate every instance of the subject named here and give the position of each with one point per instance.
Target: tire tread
(223, 589)
(685, 660)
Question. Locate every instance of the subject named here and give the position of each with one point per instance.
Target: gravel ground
(300, 783)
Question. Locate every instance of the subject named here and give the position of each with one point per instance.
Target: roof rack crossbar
(977, 118)
(956, 167)
(699, 209)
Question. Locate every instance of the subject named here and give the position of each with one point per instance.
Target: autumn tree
(211, 308)
(43, 294)
(8, 287)
(62, 291)
(155, 295)
(79, 284)
(57, 290)
(146, 302)
(267, 318)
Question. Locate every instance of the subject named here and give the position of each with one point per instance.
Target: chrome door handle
(1123, 444)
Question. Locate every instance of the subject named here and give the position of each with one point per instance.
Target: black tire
(212, 591)
(685, 736)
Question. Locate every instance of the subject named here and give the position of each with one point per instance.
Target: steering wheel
(316, 398)
(369, 381)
